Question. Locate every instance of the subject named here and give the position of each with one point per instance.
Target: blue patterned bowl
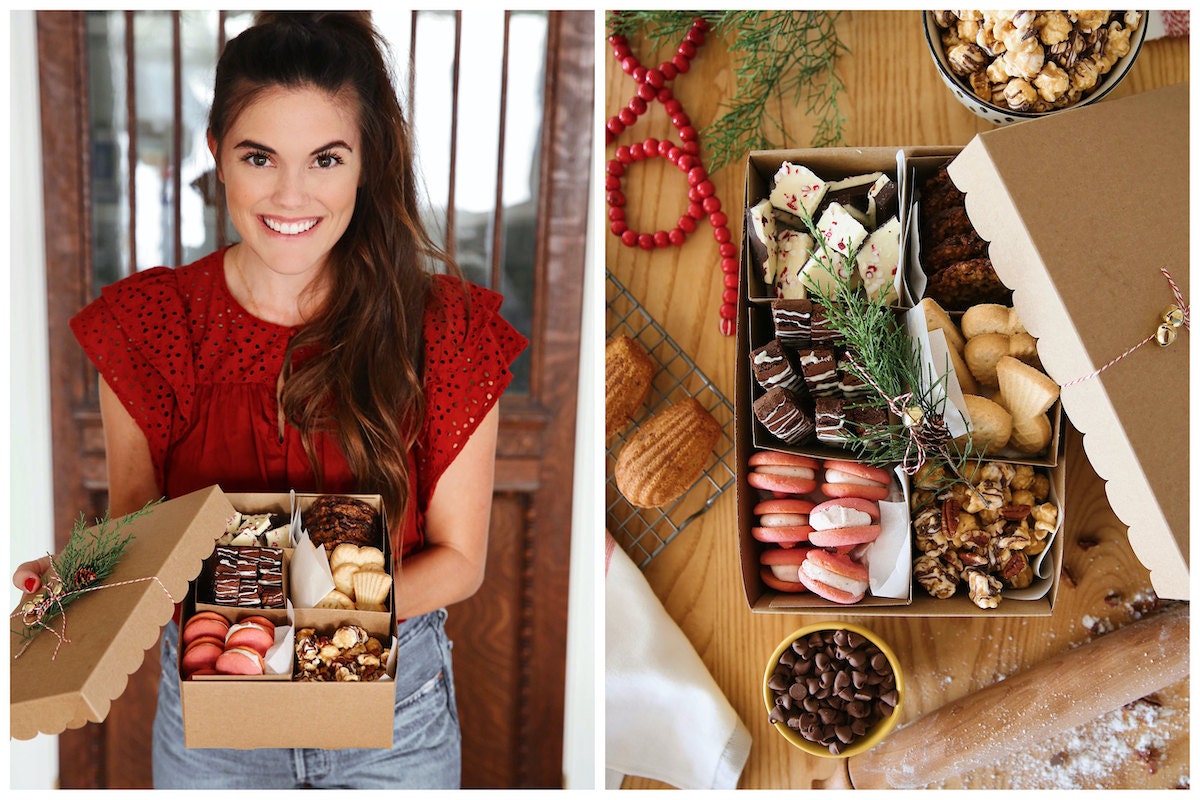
(1002, 115)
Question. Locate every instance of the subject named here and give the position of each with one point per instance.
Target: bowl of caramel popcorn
(1007, 66)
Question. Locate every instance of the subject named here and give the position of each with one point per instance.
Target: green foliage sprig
(886, 357)
(778, 56)
(88, 559)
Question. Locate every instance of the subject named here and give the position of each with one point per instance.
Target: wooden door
(510, 639)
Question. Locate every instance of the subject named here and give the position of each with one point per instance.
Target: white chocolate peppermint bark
(879, 259)
(762, 244)
(792, 251)
(842, 234)
(797, 187)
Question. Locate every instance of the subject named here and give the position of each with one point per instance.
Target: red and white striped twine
(1183, 307)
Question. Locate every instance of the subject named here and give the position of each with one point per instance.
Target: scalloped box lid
(110, 630)
(1082, 209)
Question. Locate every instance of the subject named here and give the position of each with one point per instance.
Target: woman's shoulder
(464, 328)
(452, 301)
(164, 287)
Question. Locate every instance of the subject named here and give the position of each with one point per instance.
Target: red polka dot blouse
(197, 372)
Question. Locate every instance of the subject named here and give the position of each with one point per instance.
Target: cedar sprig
(779, 57)
(88, 559)
(885, 355)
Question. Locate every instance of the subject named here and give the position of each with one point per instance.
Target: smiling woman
(131, 184)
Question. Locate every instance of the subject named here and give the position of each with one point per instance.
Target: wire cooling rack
(644, 532)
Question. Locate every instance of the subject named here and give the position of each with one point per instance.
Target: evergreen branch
(886, 358)
(88, 559)
(784, 55)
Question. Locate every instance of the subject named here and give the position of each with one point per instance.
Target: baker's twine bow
(925, 432)
(33, 613)
(1175, 316)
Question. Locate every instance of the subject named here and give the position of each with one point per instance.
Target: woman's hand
(28, 576)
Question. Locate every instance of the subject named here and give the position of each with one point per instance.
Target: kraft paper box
(111, 629)
(1083, 209)
(754, 324)
(282, 713)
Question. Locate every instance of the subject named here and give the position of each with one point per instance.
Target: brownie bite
(780, 413)
(772, 366)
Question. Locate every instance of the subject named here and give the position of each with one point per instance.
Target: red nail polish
(30, 584)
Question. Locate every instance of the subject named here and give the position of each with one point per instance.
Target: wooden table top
(893, 97)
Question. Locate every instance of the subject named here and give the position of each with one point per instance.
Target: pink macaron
(782, 521)
(203, 623)
(844, 538)
(250, 634)
(852, 479)
(200, 654)
(783, 473)
(843, 512)
(780, 569)
(240, 661)
(834, 576)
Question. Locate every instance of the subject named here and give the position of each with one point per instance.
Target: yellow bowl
(875, 734)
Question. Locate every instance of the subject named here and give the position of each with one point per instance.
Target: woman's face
(291, 164)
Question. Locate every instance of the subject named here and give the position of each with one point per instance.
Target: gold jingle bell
(1173, 316)
(913, 416)
(1165, 334)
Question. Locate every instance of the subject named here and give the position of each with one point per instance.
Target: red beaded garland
(702, 200)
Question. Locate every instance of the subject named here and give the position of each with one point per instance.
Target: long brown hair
(355, 370)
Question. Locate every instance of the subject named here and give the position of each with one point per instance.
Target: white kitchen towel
(665, 718)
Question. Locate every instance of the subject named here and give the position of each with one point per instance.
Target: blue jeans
(426, 746)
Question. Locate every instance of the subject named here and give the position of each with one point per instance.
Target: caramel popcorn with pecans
(1034, 60)
(349, 654)
(985, 534)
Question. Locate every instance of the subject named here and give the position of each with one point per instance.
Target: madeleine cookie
(982, 353)
(666, 454)
(628, 372)
(371, 588)
(1027, 392)
(361, 557)
(991, 423)
(336, 599)
(1031, 435)
(343, 579)
(990, 318)
(936, 319)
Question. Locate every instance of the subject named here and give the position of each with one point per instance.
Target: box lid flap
(108, 630)
(1082, 210)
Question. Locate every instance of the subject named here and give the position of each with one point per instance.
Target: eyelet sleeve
(136, 335)
(468, 350)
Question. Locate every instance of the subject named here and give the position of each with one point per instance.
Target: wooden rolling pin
(1064, 692)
